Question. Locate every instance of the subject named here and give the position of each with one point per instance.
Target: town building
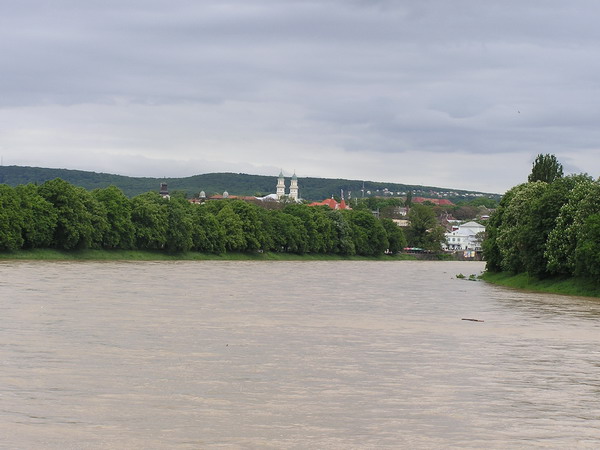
(280, 186)
(332, 203)
(294, 187)
(294, 193)
(164, 191)
(435, 201)
(467, 236)
(280, 194)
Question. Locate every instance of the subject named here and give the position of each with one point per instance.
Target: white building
(467, 236)
(280, 186)
(294, 191)
(294, 187)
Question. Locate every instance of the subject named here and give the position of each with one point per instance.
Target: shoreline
(578, 287)
(148, 255)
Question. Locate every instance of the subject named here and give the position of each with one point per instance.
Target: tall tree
(342, 233)
(39, 217)
(233, 226)
(179, 225)
(11, 219)
(120, 231)
(562, 240)
(208, 235)
(491, 247)
(75, 224)
(395, 235)
(424, 231)
(370, 238)
(546, 168)
(150, 220)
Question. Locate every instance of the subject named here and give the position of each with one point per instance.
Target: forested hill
(213, 183)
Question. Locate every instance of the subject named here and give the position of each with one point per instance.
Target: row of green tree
(57, 214)
(547, 227)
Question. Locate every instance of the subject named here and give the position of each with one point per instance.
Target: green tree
(517, 237)
(150, 221)
(39, 217)
(395, 235)
(587, 252)
(544, 211)
(11, 219)
(252, 225)
(233, 227)
(562, 240)
(317, 224)
(74, 226)
(289, 233)
(424, 230)
(98, 215)
(491, 249)
(208, 235)
(545, 168)
(119, 232)
(179, 225)
(369, 236)
(343, 243)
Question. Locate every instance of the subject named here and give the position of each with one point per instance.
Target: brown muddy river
(290, 355)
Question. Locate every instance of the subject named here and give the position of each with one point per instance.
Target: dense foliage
(545, 168)
(547, 229)
(57, 214)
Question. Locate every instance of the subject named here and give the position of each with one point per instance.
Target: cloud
(324, 87)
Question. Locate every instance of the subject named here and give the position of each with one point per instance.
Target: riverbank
(140, 255)
(564, 286)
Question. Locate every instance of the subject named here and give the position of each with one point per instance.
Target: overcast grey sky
(452, 93)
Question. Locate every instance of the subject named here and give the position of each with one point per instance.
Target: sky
(460, 94)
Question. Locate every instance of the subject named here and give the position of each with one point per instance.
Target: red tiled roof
(331, 203)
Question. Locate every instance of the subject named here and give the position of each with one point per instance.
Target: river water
(297, 355)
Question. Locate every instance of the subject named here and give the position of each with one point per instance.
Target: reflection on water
(291, 355)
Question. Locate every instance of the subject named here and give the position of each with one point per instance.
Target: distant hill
(234, 183)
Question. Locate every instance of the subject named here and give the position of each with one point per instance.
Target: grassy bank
(139, 255)
(564, 286)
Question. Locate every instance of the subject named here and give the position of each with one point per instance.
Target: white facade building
(467, 236)
(294, 191)
(294, 187)
(280, 186)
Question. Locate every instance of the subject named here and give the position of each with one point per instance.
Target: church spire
(280, 185)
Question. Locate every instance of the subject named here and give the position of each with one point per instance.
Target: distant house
(226, 196)
(435, 201)
(448, 221)
(402, 222)
(467, 236)
(332, 203)
(164, 191)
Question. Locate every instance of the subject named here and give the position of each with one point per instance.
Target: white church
(293, 194)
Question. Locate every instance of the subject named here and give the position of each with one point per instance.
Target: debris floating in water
(473, 320)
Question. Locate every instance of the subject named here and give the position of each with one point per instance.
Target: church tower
(294, 187)
(280, 186)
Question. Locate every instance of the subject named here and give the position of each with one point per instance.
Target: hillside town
(461, 237)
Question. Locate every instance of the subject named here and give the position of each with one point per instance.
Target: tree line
(547, 227)
(57, 214)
